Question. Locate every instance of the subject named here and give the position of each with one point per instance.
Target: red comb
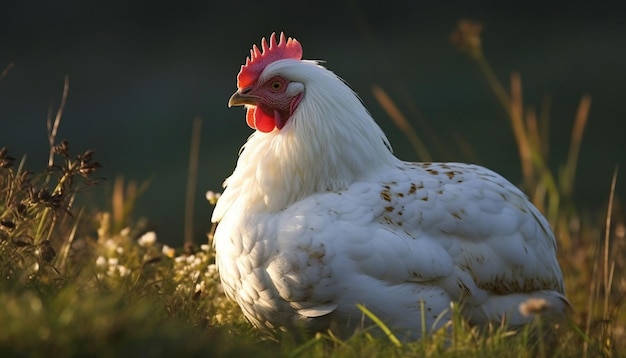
(256, 62)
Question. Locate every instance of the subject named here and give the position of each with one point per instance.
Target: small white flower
(197, 261)
(119, 250)
(113, 261)
(211, 269)
(110, 245)
(168, 251)
(533, 305)
(205, 247)
(101, 261)
(123, 271)
(212, 197)
(148, 239)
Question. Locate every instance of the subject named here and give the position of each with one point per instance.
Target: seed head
(466, 37)
(6, 161)
(533, 305)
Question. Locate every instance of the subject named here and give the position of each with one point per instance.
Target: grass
(82, 281)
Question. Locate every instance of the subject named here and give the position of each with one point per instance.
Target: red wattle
(257, 119)
(250, 117)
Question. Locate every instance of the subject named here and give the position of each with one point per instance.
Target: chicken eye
(276, 85)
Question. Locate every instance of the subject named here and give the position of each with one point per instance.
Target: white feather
(320, 216)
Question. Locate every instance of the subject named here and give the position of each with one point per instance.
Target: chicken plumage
(319, 215)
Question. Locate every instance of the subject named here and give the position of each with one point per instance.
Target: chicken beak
(238, 99)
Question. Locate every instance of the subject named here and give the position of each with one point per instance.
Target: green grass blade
(380, 324)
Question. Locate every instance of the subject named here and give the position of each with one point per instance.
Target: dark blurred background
(141, 71)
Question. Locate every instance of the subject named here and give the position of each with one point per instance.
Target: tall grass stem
(192, 178)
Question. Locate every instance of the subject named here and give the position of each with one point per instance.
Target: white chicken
(319, 216)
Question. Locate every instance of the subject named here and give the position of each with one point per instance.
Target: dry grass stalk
(400, 120)
(6, 70)
(192, 176)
